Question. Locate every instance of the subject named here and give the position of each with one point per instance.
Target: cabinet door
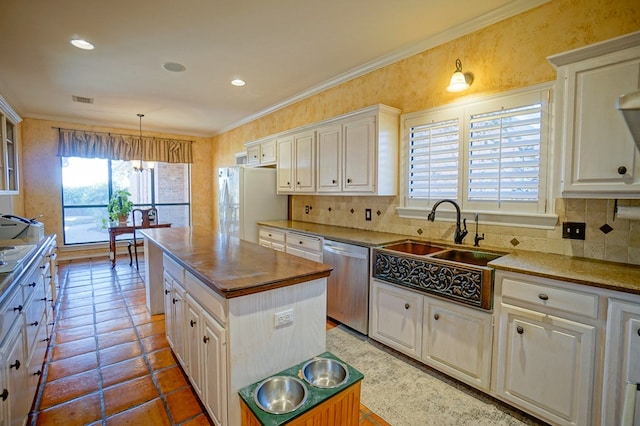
(285, 166)
(179, 314)
(268, 152)
(621, 356)
(214, 369)
(168, 309)
(359, 155)
(304, 160)
(545, 365)
(457, 340)
(16, 366)
(192, 344)
(329, 158)
(600, 154)
(396, 317)
(253, 155)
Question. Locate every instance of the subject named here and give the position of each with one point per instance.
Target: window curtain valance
(79, 143)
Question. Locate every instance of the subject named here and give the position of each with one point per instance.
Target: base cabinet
(446, 336)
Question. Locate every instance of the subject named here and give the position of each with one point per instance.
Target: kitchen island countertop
(232, 267)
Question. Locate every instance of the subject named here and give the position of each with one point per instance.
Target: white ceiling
(284, 49)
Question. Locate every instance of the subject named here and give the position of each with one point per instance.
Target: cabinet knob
(407, 306)
(205, 339)
(333, 181)
(288, 183)
(15, 365)
(622, 170)
(543, 296)
(38, 373)
(192, 323)
(167, 292)
(298, 183)
(174, 300)
(519, 329)
(31, 285)
(34, 324)
(348, 180)
(639, 332)
(18, 308)
(5, 394)
(436, 317)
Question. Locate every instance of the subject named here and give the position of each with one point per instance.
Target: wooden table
(116, 228)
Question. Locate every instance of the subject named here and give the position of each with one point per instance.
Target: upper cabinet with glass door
(9, 149)
(600, 158)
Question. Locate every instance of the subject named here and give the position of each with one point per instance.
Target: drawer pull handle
(436, 317)
(192, 323)
(519, 329)
(33, 284)
(5, 394)
(35, 323)
(19, 308)
(16, 365)
(407, 306)
(205, 339)
(543, 296)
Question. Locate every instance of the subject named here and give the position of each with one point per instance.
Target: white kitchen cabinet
(396, 317)
(175, 308)
(296, 163)
(8, 149)
(457, 341)
(303, 245)
(600, 157)
(261, 153)
(622, 349)
(329, 148)
(358, 153)
(271, 238)
(18, 399)
(546, 339)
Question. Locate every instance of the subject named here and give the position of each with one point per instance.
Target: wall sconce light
(459, 80)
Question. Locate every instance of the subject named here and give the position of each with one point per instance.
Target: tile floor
(109, 362)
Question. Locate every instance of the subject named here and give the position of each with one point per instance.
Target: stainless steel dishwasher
(348, 284)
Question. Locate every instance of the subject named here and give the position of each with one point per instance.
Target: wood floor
(109, 362)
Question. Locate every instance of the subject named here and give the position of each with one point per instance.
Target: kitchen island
(235, 312)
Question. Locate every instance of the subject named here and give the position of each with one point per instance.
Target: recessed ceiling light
(173, 67)
(238, 82)
(82, 44)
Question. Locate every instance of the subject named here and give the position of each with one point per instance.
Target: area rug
(405, 394)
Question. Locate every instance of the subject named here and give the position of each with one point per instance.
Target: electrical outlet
(573, 230)
(306, 209)
(367, 214)
(283, 318)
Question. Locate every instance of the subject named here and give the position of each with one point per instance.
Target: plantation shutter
(433, 160)
(504, 155)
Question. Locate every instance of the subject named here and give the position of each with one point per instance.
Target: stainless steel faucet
(459, 234)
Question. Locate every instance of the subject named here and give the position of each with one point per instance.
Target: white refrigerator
(247, 196)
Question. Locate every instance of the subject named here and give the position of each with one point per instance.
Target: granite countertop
(595, 273)
(232, 267)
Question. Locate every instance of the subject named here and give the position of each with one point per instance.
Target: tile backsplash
(606, 237)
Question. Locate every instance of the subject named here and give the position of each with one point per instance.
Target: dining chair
(143, 218)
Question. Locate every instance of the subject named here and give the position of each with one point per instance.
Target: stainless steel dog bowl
(325, 373)
(280, 394)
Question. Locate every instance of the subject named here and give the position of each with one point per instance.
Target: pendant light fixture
(137, 164)
(459, 80)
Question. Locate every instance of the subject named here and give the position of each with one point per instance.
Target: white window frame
(531, 215)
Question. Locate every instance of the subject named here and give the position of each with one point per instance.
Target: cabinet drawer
(210, 302)
(304, 242)
(11, 311)
(541, 295)
(272, 234)
(173, 268)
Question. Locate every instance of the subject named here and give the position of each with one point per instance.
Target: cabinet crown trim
(597, 49)
(8, 111)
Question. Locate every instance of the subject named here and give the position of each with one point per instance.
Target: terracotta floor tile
(119, 353)
(151, 413)
(69, 349)
(135, 310)
(124, 371)
(162, 359)
(107, 306)
(70, 334)
(68, 388)
(154, 343)
(201, 420)
(183, 405)
(129, 394)
(80, 411)
(77, 293)
(171, 379)
(84, 317)
(113, 325)
(111, 314)
(143, 318)
(70, 366)
(151, 329)
(116, 337)
(108, 298)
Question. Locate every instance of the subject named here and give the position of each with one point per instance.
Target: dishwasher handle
(344, 251)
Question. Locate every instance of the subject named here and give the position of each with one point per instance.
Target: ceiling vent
(82, 99)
